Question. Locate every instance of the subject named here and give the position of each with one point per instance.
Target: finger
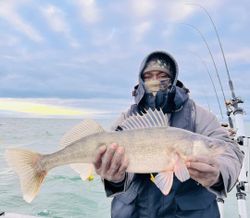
(201, 167)
(204, 179)
(198, 177)
(204, 159)
(124, 165)
(195, 174)
(116, 161)
(107, 157)
(98, 156)
(120, 175)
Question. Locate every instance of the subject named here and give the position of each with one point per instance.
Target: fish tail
(28, 167)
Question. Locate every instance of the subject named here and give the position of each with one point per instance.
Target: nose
(155, 77)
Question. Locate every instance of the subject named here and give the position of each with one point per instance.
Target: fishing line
(212, 81)
(221, 48)
(228, 110)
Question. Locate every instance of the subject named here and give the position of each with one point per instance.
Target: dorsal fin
(150, 119)
(83, 129)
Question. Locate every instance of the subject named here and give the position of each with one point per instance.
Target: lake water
(63, 194)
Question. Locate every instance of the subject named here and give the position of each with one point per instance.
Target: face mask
(153, 86)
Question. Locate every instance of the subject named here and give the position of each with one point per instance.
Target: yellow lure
(152, 178)
(90, 178)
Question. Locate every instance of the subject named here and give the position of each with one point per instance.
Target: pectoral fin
(181, 171)
(164, 181)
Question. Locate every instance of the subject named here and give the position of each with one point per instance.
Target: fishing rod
(211, 80)
(209, 74)
(228, 111)
(221, 47)
(241, 138)
(214, 88)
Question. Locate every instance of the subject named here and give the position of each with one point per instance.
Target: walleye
(150, 144)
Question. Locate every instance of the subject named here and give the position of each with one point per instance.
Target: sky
(80, 58)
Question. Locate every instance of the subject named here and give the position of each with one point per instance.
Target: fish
(151, 145)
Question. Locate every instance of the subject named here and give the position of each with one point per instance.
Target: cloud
(239, 55)
(104, 38)
(114, 56)
(140, 30)
(172, 11)
(9, 13)
(88, 10)
(212, 4)
(56, 20)
(142, 8)
(177, 11)
(169, 30)
(114, 38)
(9, 40)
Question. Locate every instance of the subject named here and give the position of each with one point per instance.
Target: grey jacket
(205, 123)
(137, 196)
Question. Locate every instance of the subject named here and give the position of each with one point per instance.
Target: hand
(110, 162)
(204, 170)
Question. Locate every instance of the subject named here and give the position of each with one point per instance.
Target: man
(135, 195)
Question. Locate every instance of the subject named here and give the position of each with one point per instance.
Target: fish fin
(164, 181)
(150, 119)
(83, 129)
(25, 164)
(85, 170)
(181, 171)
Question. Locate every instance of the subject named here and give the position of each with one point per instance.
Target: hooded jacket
(169, 100)
(137, 196)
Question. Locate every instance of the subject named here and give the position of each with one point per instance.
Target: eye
(147, 76)
(162, 76)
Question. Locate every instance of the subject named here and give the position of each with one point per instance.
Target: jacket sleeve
(112, 189)
(230, 161)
